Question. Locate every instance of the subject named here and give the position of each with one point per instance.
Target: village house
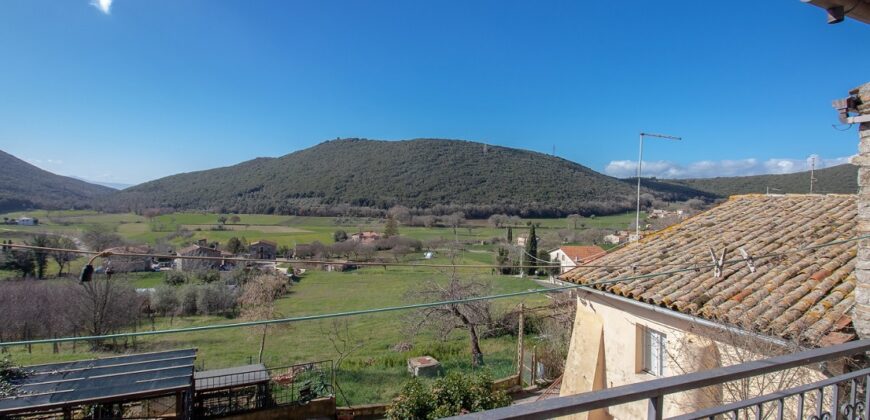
(612, 239)
(185, 264)
(367, 237)
(27, 221)
(634, 331)
(263, 250)
(125, 264)
(570, 256)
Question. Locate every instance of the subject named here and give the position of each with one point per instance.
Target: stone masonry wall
(861, 315)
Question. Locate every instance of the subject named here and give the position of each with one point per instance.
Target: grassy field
(285, 230)
(373, 373)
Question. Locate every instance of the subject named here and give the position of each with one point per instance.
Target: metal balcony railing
(843, 396)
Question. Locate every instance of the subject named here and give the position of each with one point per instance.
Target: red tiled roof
(583, 253)
(806, 294)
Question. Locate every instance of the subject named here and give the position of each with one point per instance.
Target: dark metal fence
(262, 389)
(842, 396)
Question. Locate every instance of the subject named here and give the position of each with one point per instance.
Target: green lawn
(374, 373)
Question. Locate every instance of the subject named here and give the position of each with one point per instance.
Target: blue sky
(132, 90)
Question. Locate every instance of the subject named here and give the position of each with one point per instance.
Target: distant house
(27, 221)
(570, 256)
(365, 237)
(185, 264)
(612, 239)
(125, 264)
(263, 250)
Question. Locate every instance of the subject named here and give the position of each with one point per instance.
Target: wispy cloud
(102, 5)
(714, 168)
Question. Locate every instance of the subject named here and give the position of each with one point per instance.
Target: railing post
(654, 409)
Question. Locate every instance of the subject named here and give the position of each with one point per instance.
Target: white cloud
(714, 168)
(102, 5)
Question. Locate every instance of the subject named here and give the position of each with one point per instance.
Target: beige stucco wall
(605, 353)
(565, 262)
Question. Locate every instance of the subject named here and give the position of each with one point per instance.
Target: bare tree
(101, 237)
(343, 343)
(63, 258)
(103, 306)
(258, 302)
(468, 316)
(574, 220)
(455, 220)
(693, 351)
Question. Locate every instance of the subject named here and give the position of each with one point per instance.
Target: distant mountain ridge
(442, 176)
(24, 186)
(840, 179)
(366, 177)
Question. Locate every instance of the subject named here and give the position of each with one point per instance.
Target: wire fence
(259, 388)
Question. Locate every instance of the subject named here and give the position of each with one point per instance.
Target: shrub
(165, 300)
(448, 396)
(175, 278)
(214, 299)
(187, 300)
(208, 276)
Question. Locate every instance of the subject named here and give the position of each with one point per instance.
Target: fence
(261, 388)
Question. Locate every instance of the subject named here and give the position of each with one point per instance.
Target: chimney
(860, 104)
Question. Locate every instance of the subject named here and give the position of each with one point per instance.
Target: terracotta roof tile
(583, 253)
(805, 294)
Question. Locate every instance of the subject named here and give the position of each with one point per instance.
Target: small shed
(424, 366)
(146, 385)
(238, 388)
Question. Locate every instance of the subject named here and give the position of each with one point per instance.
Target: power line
(694, 265)
(332, 315)
(417, 305)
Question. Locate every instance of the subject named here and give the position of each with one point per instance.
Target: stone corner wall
(861, 313)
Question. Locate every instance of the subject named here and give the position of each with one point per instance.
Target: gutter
(693, 319)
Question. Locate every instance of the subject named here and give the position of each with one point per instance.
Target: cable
(411, 306)
(239, 259)
(335, 314)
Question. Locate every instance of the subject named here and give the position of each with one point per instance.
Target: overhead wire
(417, 305)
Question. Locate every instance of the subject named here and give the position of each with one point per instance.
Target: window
(653, 351)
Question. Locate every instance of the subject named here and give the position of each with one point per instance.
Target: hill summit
(351, 175)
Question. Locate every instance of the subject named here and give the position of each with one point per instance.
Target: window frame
(653, 348)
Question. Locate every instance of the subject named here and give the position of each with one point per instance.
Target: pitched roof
(584, 253)
(194, 250)
(806, 295)
(264, 242)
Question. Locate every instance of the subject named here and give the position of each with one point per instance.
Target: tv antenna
(812, 173)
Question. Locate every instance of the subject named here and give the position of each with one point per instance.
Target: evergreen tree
(392, 228)
(510, 234)
(531, 250)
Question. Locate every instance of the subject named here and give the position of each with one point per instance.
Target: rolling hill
(840, 179)
(24, 186)
(352, 175)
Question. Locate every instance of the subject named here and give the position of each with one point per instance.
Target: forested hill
(24, 186)
(841, 179)
(440, 175)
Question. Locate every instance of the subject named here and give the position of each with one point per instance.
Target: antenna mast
(812, 173)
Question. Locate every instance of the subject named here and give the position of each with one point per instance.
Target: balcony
(842, 396)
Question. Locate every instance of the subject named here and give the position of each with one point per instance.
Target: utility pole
(639, 169)
(812, 173)
(520, 332)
